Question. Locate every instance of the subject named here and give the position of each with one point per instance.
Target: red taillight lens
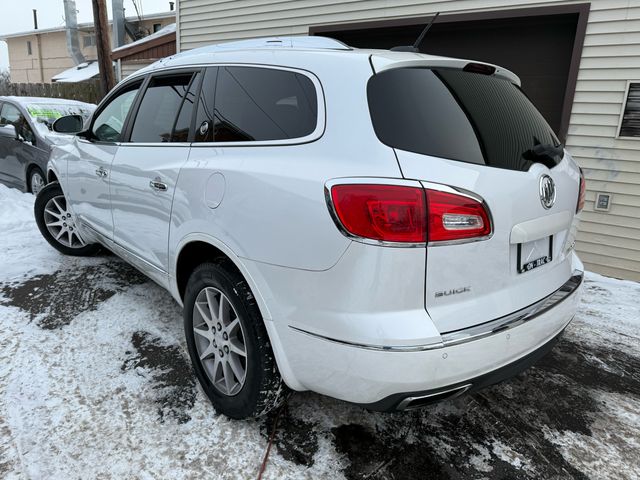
(389, 213)
(456, 217)
(581, 195)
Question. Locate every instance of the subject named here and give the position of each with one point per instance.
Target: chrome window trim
(321, 119)
(477, 332)
(367, 181)
(154, 144)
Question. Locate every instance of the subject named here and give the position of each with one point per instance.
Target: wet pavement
(549, 422)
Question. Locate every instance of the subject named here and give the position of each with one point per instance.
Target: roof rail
(300, 42)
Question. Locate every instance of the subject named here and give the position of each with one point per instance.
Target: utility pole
(101, 26)
(39, 45)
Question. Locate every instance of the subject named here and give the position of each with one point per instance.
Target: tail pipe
(411, 403)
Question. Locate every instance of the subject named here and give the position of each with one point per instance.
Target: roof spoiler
(387, 61)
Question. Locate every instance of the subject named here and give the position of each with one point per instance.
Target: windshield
(460, 115)
(46, 114)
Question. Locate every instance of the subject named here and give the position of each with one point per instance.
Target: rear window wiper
(545, 153)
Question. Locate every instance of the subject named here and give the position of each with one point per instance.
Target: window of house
(89, 41)
(156, 27)
(261, 104)
(630, 122)
(29, 52)
(158, 112)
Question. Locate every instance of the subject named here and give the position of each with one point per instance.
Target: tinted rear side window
(159, 108)
(462, 116)
(258, 104)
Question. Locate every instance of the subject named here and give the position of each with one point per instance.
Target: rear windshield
(462, 116)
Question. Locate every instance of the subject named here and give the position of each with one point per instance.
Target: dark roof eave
(135, 49)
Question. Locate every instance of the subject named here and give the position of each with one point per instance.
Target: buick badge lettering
(547, 191)
(453, 291)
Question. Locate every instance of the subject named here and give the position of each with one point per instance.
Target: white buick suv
(387, 228)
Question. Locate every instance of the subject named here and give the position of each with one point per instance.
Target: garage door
(537, 48)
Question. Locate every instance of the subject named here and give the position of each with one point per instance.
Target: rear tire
(231, 354)
(57, 224)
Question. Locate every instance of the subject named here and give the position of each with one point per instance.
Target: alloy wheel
(37, 182)
(220, 341)
(61, 223)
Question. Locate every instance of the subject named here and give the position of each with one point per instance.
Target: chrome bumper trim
(476, 332)
(514, 319)
(380, 348)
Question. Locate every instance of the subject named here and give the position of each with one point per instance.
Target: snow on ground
(95, 383)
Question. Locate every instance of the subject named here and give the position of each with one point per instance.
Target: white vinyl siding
(608, 242)
(132, 66)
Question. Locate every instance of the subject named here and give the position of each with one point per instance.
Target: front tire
(228, 344)
(57, 223)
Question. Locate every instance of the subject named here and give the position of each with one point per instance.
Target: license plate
(534, 254)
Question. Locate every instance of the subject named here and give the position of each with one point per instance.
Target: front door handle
(157, 185)
(101, 172)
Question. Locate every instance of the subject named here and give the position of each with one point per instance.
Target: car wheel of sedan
(57, 223)
(36, 180)
(228, 344)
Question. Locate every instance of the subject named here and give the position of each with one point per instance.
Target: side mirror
(70, 124)
(8, 131)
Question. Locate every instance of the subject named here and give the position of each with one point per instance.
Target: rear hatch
(467, 128)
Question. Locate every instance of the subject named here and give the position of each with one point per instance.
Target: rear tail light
(581, 194)
(401, 214)
(388, 213)
(456, 217)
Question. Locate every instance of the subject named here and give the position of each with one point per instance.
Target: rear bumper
(411, 400)
(383, 378)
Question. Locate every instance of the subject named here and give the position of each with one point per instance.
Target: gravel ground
(95, 382)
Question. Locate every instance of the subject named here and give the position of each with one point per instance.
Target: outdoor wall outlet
(603, 202)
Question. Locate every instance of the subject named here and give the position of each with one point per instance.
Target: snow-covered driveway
(95, 383)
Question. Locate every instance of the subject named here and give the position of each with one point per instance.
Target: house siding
(607, 242)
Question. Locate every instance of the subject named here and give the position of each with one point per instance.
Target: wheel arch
(198, 248)
(51, 176)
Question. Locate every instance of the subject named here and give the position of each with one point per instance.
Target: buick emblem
(547, 191)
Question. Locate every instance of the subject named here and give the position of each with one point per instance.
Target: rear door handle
(157, 185)
(101, 172)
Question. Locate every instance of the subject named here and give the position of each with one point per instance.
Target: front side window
(11, 115)
(158, 112)
(258, 104)
(109, 123)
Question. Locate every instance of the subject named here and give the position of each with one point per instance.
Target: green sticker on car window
(43, 112)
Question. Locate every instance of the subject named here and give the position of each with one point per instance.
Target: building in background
(579, 62)
(30, 64)
(143, 52)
